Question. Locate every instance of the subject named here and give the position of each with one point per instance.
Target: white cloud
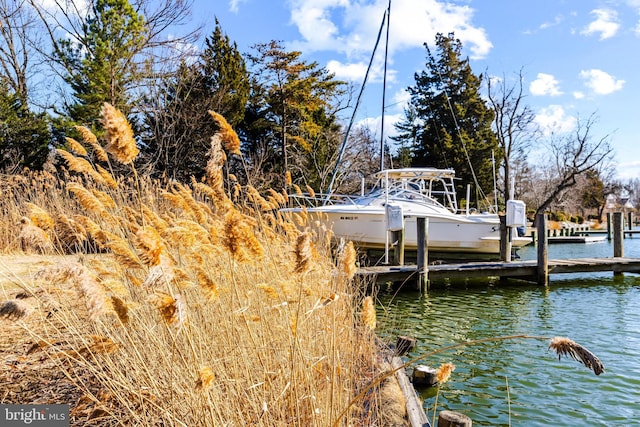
(554, 119)
(578, 94)
(600, 82)
(351, 27)
(351, 72)
(234, 5)
(545, 84)
(606, 24)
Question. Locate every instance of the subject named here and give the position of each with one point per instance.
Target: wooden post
(453, 419)
(618, 234)
(423, 254)
(608, 225)
(630, 222)
(404, 345)
(424, 376)
(505, 246)
(543, 255)
(398, 249)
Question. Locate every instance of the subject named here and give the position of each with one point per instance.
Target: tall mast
(384, 87)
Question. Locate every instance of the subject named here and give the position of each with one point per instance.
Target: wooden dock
(526, 270)
(537, 270)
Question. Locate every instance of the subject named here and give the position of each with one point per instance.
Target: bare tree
(514, 126)
(158, 54)
(572, 156)
(18, 59)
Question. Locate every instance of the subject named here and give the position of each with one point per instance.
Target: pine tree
(179, 127)
(452, 123)
(24, 135)
(100, 64)
(296, 103)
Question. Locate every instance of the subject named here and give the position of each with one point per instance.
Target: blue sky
(578, 57)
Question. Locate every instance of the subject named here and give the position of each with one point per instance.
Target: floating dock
(576, 239)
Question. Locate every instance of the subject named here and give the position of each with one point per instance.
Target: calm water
(521, 382)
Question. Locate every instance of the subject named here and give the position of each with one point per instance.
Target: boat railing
(320, 199)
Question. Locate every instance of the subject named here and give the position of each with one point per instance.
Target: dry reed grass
(200, 311)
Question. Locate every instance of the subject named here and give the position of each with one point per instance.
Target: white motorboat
(399, 197)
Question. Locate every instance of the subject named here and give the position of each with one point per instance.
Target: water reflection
(521, 382)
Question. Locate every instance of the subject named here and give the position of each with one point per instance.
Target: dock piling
(422, 263)
(543, 254)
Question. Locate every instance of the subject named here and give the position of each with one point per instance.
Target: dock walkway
(518, 269)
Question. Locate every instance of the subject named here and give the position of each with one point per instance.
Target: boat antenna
(355, 108)
(384, 87)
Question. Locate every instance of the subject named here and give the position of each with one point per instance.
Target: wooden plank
(415, 413)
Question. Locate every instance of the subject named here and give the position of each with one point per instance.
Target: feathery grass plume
(76, 164)
(443, 373)
(214, 167)
(347, 260)
(32, 238)
(121, 309)
(303, 252)
(276, 199)
(123, 253)
(301, 218)
(163, 273)
(109, 180)
(96, 299)
(14, 309)
(368, 314)
(312, 193)
(567, 347)
(39, 217)
(91, 139)
(149, 245)
(100, 344)
(208, 286)
(258, 200)
(76, 147)
(239, 236)
(297, 190)
(86, 199)
(106, 200)
(269, 290)
(229, 137)
(172, 309)
(178, 202)
(154, 219)
(120, 141)
(206, 190)
(287, 179)
(187, 195)
(93, 229)
(60, 273)
(70, 233)
(206, 377)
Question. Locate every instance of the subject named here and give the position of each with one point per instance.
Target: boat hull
(474, 234)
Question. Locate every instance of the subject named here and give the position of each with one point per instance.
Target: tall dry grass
(196, 310)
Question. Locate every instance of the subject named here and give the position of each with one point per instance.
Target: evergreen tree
(24, 136)
(295, 108)
(452, 123)
(179, 127)
(100, 64)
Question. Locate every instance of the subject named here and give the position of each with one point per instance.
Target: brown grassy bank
(165, 304)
